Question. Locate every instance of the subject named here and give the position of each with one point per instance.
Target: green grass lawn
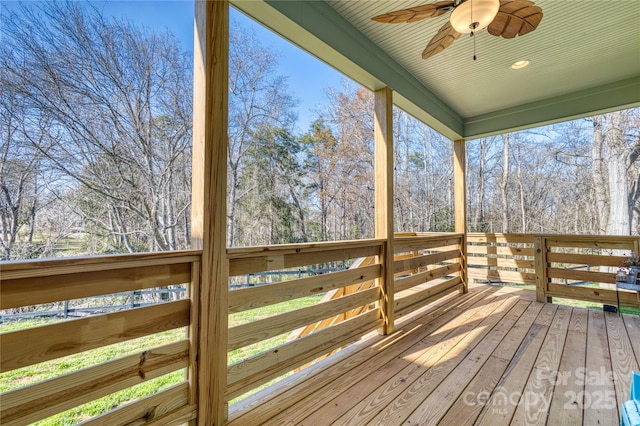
(50, 369)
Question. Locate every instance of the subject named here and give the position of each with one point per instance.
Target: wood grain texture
(34, 345)
(154, 409)
(414, 14)
(209, 201)
(500, 262)
(474, 237)
(12, 270)
(600, 406)
(468, 405)
(404, 357)
(424, 260)
(277, 261)
(255, 297)
(501, 250)
(425, 242)
(424, 277)
(541, 267)
(515, 17)
(507, 361)
(19, 292)
(383, 200)
(592, 241)
(623, 361)
(460, 204)
(405, 407)
(586, 259)
(537, 396)
(566, 403)
(593, 294)
(579, 275)
(417, 297)
(443, 39)
(502, 276)
(253, 372)
(256, 331)
(44, 399)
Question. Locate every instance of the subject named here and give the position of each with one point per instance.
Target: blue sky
(308, 77)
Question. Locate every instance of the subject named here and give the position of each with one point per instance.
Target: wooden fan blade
(443, 39)
(515, 17)
(414, 14)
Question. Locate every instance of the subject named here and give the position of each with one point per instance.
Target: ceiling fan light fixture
(474, 15)
(520, 64)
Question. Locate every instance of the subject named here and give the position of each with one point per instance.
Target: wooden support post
(460, 205)
(542, 278)
(383, 118)
(209, 201)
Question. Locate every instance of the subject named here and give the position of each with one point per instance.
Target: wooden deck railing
(360, 307)
(426, 267)
(568, 266)
(33, 283)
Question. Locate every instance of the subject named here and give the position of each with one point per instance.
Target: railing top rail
(255, 251)
(69, 265)
(427, 236)
(563, 237)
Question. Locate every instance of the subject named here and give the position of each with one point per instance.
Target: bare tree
(118, 101)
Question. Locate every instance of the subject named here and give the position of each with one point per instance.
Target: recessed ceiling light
(519, 64)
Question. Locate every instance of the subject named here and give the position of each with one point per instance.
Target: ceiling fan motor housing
(474, 15)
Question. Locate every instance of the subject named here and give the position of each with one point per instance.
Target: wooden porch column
(460, 204)
(383, 118)
(209, 202)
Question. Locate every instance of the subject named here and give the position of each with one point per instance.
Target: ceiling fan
(506, 18)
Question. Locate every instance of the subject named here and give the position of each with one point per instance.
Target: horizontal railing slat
(246, 334)
(31, 346)
(404, 244)
(593, 294)
(572, 274)
(592, 241)
(320, 246)
(502, 276)
(500, 238)
(427, 295)
(256, 297)
(274, 261)
(150, 409)
(19, 292)
(71, 265)
(254, 371)
(423, 277)
(50, 397)
(500, 262)
(585, 259)
(424, 260)
(505, 251)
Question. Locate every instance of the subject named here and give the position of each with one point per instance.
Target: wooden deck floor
(491, 357)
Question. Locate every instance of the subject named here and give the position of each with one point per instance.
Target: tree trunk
(504, 182)
(599, 175)
(619, 217)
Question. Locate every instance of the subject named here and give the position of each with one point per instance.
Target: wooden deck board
(493, 356)
(566, 403)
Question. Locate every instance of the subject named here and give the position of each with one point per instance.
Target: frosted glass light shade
(480, 12)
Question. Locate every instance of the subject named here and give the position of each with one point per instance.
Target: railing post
(209, 200)
(460, 205)
(383, 137)
(542, 278)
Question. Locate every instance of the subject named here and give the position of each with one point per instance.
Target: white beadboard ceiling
(585, 58)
